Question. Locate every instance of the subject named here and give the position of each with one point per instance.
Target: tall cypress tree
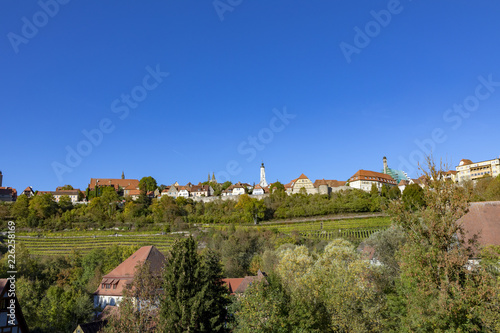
(194, 297)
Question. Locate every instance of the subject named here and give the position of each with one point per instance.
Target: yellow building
(468, 170)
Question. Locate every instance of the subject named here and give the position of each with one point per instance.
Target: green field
(63, 242)
(57, 245)
(360, 228)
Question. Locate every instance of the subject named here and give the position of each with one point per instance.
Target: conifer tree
(194, 297)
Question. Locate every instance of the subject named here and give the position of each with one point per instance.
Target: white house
(363, 180)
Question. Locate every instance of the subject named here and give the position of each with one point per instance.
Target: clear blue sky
(71, 71)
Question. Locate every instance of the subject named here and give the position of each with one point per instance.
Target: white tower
(262, 182)
(385, 165)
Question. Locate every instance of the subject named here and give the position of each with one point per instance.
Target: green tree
(394, 193)
(330, 292)
(413, 197)
(385, 191)
(43, 206)
(67, 187)
(252, 209)
(20, 209)
(65, 203)
(374, 190)
(191, 286)
(148, 184)
(265, 307)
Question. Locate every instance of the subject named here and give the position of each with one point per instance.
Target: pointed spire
(123, 175)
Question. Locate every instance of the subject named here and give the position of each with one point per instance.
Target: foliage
(413, 197)
(148, 184)
(394, 193)
(192, 285)
(436, 291)
(252, 209)
(330, 291)
(265, 307)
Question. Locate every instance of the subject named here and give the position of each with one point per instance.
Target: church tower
(123, 175)
(1, 176)
(385, 165)
(262, 182)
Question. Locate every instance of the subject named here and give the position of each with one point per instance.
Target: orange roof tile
(367, 175)
(123, 274)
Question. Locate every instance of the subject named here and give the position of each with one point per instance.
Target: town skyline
(178, 90)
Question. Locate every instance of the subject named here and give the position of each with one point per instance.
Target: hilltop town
(211, 190)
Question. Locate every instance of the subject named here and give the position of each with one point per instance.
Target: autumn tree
(436, 290)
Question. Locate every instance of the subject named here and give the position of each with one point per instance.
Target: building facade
(363, 180)
(468, 170)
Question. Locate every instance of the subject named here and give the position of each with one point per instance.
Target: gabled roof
(302, 176)
(124, 273)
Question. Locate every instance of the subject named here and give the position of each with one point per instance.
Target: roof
(302, 176)
(465, 162)
(76, 191)
(115, 182)
(239, 285)
(483, 219)
(124, 273)
(372, 176)
(8, 191)
(404, 182)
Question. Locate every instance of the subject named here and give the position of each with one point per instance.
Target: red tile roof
(123, 274)
(116, 183)
(465, 162)
(239, 285)
(367, 175)
(330, 183)
(302, 176)
(9, 191)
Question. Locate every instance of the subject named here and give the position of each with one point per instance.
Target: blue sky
(248, 81)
